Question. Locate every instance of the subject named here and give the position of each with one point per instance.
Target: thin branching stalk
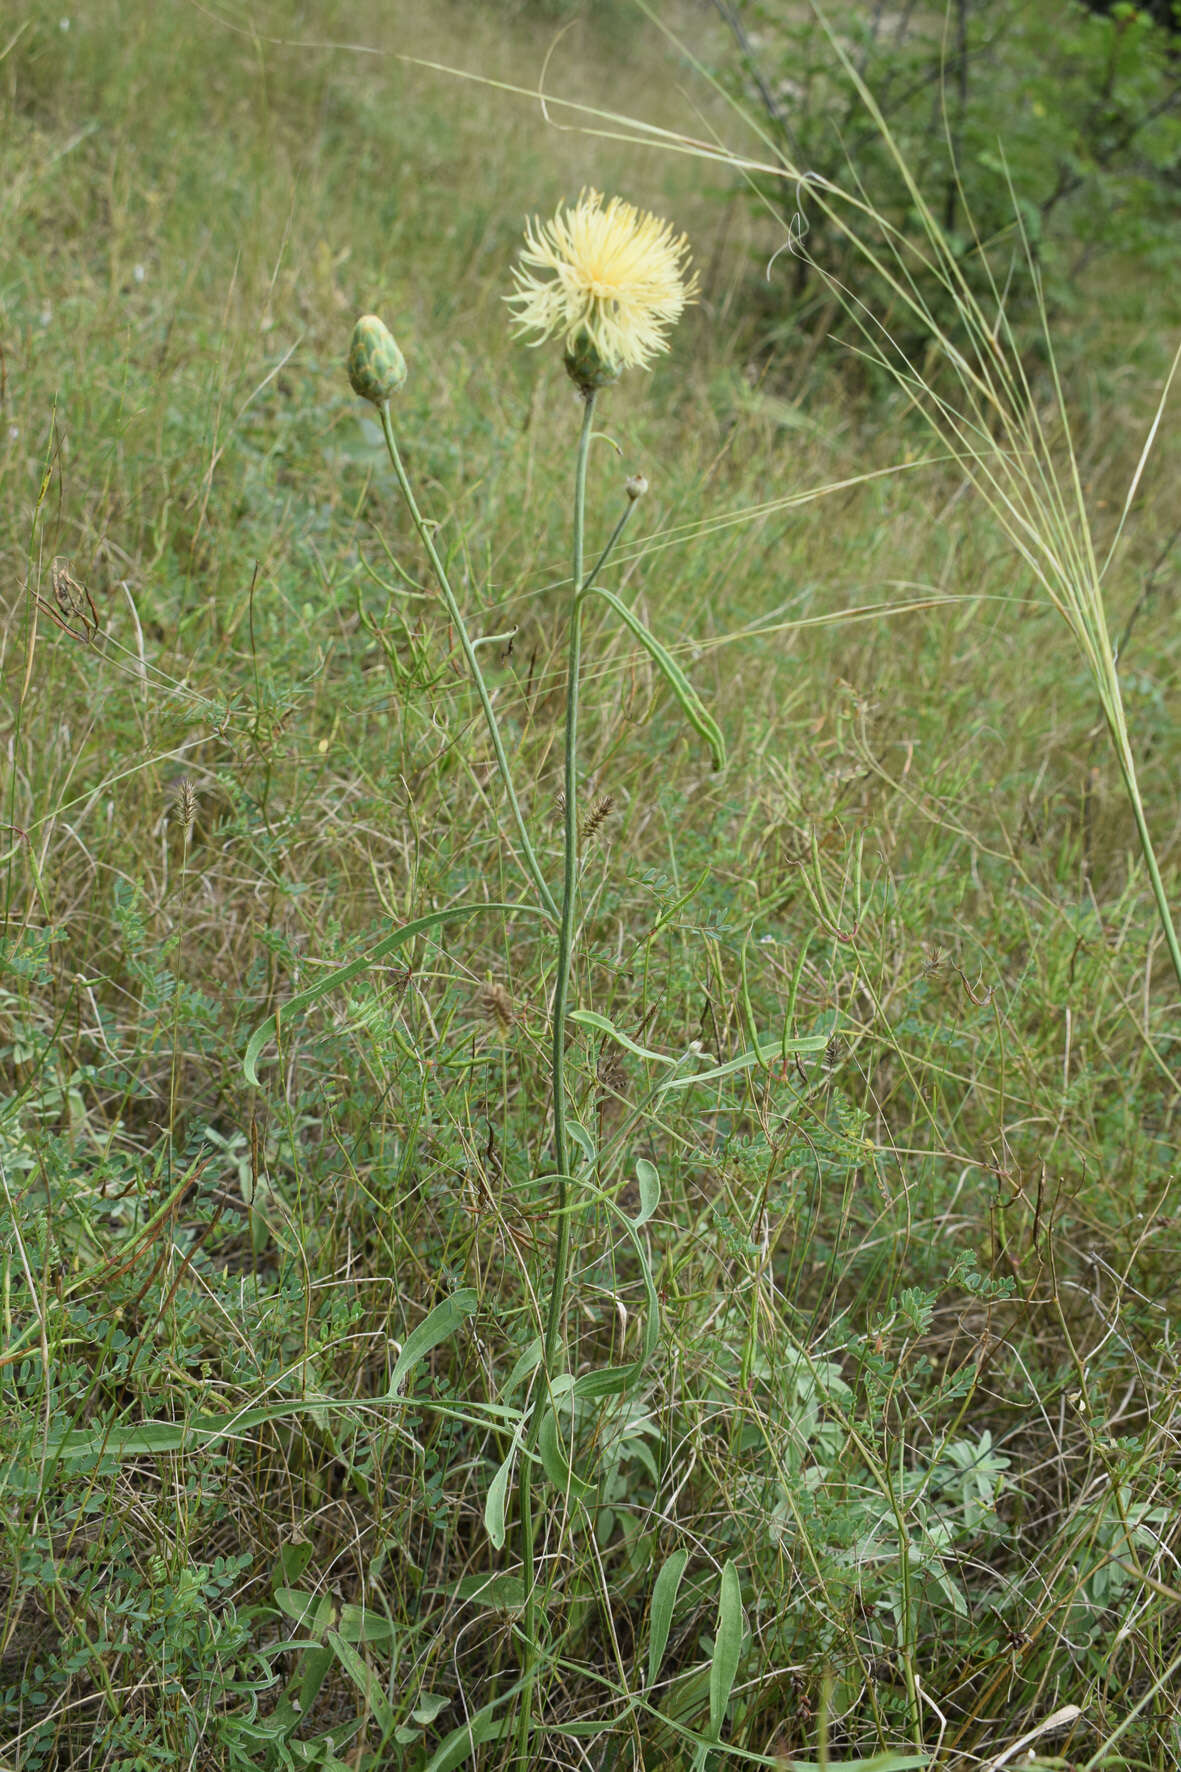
(528, 856)
(592, 575)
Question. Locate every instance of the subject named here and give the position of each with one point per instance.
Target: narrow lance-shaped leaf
(664, 1600)
(494, 1505)
(648, 1180)
(727, 1647)
(557, 1462)
(760, 1054)
(462, 1742)
(693, 707)
(590, 1019)
(436, 1326)
(365, 1680)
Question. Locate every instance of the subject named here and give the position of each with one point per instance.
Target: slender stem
(528, 857)
(557, 1297)
(569, 884)
(607, 552)
(1128, 770)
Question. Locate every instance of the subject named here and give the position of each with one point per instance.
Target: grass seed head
(497, 1005)
(186, 803)
(599, 810)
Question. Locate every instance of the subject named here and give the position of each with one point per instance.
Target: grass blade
(694, 709)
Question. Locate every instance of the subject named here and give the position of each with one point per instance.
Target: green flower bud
(376, 366)
(586, 366)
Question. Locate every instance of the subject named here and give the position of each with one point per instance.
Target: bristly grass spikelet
(596, 816)
(185, 799)
(496, 1004)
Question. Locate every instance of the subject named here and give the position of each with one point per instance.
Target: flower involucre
(616, 284)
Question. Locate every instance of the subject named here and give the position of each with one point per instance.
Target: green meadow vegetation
(799, 1385)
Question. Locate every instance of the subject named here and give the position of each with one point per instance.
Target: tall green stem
(528, 857)
(569, 891)
(561, 997)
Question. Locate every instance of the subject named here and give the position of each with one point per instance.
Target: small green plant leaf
(607, 1381)
(359, 1626)
(589, 1019)
(341, 975)
(582, 1138)
(293, 1559)
(526, 1364)
(494, 1505)
(313, 1611)
(664, 1600)
(438, 1325)
(652, 1319)
(505, 1592)
(875, 1763)
(428, 1707)
(556, 1463)
(648, 1179)
(365, 1680)
(727, 1647)
(152, 1438)
(462, 1743)
(316, 1666)
(760, 1054)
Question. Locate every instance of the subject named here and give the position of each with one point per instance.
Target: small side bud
(377, 368)
(636, 485)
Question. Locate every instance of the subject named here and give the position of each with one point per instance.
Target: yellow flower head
(616, 285)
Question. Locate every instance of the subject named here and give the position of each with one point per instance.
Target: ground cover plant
(828, 1408)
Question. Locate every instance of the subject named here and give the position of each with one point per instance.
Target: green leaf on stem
(694, 709)
(494, 1505)
(664, 1600)
(760, 1054)
(727, 1647)
(438, 1325)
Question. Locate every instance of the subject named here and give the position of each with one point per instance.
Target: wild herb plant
(904, 1453)
(608, 282)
